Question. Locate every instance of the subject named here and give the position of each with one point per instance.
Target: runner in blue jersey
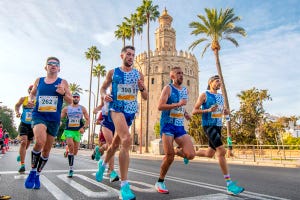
(108, 130)
(49, 92)
(172, 101)
(75, 127)
(126, 82)
(25, 129)
(210, 105)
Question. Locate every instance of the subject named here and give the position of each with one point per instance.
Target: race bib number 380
(126, 92)
(48, 103)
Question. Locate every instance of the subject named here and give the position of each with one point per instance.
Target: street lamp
(93, 119)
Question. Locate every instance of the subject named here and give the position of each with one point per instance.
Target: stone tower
(162, 59)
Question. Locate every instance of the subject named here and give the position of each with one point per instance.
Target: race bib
(218, 113)
(74, 122)
(126, 92)
(177, 112)
(28, 116)
(48, 103)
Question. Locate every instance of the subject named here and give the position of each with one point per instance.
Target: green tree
(75, 88)
(98, 71)
(135, 23)
(216, 26)
(93, 54)
(251, 114)
(7, 118)
(196, 131)
(148, 12)
(123, 32)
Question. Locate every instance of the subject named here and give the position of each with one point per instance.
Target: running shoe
(29, 183)
(4, 197)
(18, 158)
(100, 172)
(161, 187)
(97, 153)
(113, 176)
(93, 155)
(37, 183)
(70, 175)
(233, 189)
(186, 161)
(126, 193)
(22, 169)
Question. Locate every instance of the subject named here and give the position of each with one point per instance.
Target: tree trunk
(89, 130)
(223, 90)
(148, 87)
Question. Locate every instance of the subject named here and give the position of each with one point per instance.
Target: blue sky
(266, 59)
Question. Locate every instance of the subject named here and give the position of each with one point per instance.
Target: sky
(267, 58)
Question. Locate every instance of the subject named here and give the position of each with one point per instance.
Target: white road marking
(55, 191)
(176, 179)
(109, 193)
(218, 196)
(209, 186)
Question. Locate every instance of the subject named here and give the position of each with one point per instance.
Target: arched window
(152, 81)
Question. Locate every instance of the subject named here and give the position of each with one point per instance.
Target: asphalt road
(197, 180)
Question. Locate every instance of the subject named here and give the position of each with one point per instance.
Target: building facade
(162, 59)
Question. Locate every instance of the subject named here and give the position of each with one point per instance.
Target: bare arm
(197, 108)
(107, 82)
(142, 87)
(18, 105)
(162, 103)
(33, 91)
(64, 112)
(87, 120)
(67, 94)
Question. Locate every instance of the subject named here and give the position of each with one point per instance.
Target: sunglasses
(53, 63)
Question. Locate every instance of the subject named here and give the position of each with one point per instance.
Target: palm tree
(123, 32)
(148, 12)
(216, 26)
(135, 24)
(98, 71)
(75, 88)
(93, 54)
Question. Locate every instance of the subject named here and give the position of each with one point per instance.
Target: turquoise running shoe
(29, 183)
(100, 172)
(97, 153)
(113, 176)
(18, 158)
(161, 188)
(70, 175)
(233, 189)
(37, 183)
(126, 193)
(186, 161)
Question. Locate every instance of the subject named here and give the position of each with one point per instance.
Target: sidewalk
(151, 156)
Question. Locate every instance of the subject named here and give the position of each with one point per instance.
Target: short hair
(174, 68)
(52, 58)
(124, 49)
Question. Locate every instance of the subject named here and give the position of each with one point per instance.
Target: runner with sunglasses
(49, 92)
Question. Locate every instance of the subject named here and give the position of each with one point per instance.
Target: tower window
(188, 82)
(152, 81)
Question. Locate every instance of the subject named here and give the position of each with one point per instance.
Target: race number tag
(48, 103)
(177, 112)
(28, 116)
(74, 122)
(126, 92)
(218, 113)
